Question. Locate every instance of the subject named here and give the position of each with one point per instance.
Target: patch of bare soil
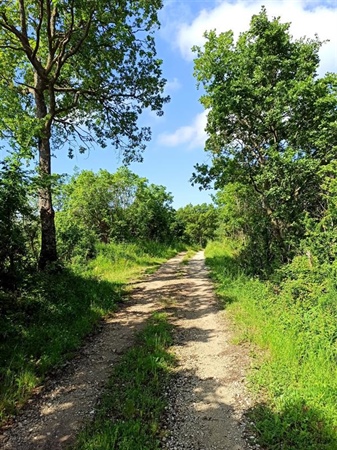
(207, 399)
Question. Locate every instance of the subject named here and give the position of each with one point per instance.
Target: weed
(189, 254)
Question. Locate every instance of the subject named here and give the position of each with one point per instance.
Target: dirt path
(208, 396)
(207, 399)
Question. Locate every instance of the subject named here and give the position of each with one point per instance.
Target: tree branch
(51, 26)
(65, 56)
(15, 49)
(23, 18)
(25, 45)
(38, 30)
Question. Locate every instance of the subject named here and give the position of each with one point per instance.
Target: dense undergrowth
(130, 411)
(44, 322)
(291, 320)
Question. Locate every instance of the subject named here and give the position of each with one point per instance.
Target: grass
(130, 412)
(44, 323)
(189, 254)
(128, 261)
(294, 337)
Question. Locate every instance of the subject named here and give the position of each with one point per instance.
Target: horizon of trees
(91, 208)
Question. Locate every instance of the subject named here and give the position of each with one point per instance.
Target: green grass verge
(131, 409)
(294, 337)
(189, 255)
(42, 324)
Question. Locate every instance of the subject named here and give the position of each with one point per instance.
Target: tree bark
(48, 252)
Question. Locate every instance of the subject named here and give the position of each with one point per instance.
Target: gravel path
(207, 398)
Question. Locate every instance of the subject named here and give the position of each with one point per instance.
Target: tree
(197, 223)
(271, 121)
(244, 221)
(152, 215)
(76, 72)
(118, 206)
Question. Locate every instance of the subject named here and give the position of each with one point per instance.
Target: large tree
(271, 121)
(74, 73)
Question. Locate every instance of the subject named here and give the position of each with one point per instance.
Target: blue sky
(178, 137)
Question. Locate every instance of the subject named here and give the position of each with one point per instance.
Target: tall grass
(292, 324)
(42, 324)
(126, 261)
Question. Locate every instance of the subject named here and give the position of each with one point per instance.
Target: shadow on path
(207, 390)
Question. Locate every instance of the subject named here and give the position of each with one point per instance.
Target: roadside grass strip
(43, 324)
(130, 412)
(294, 352)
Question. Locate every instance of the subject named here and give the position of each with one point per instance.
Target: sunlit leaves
(271, 122)
(98, 62)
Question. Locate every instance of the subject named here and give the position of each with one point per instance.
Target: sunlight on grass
(47, 323)
(295, 368)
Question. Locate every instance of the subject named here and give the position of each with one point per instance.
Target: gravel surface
(207, 398)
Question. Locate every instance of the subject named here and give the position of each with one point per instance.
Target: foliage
(97, 202)
(241, 217)
(17, 224)
(196, 224)
(292, 322)
(271, 124)
(76, 73)
(152, 215)
(320, 242)
(109, 207)
(129, 417)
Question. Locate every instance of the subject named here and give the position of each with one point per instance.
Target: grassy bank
(44, 322)
(292, 324)
(130, 412)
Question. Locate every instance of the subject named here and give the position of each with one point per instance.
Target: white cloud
(308, 18)
(172, 85)
(193, 135)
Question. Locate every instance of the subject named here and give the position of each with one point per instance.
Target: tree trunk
(48, 252)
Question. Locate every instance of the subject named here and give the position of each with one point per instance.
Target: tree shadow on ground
(296, 426)
(198, 418)
(45, 322)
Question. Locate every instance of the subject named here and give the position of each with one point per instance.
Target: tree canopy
(74, 73)
(108, 207)
(271, 120)
(197, 224)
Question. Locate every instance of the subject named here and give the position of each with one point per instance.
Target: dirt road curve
(206, 399)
